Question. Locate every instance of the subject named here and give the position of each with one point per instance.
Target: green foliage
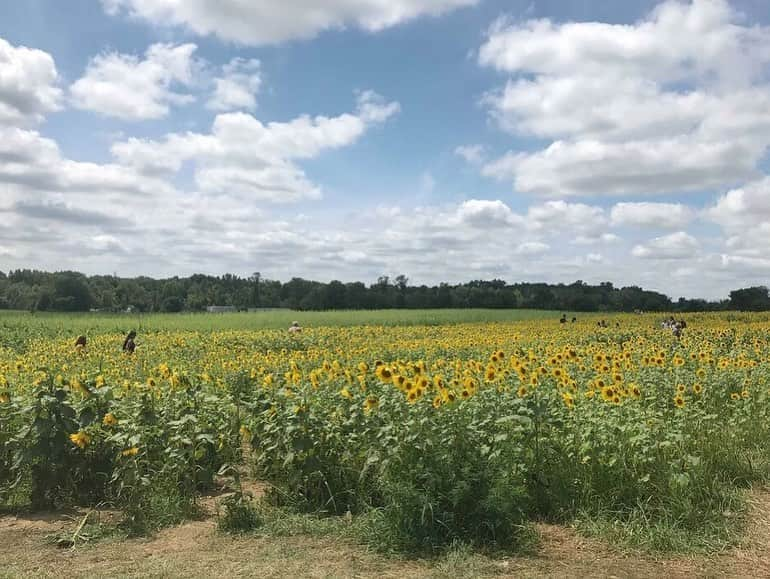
(70, 291)
(44, 451)
(401, 464)
(240, 515)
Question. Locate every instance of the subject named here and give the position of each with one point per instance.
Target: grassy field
(100, 323)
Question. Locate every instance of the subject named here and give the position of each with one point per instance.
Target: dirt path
(195, 549)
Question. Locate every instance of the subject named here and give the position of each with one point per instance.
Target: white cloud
(238, 86)
(28, 85)
(744, 216)
(595, 239)
(679, 245)
(532, 248)
(242, 157)
(677, 41)
(127, 87)
(31, 162)
(592, 168)
(473, 154)
(744, 207)
(652, 215)
(676, 102)
(267, 22)
(563, 216)
(486, 214)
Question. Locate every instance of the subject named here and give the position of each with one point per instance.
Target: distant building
(220, 309)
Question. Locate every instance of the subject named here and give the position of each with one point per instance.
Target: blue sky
(460, 139)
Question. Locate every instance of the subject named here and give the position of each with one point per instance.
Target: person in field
(128, 344)
(80, 343)
(295, 328)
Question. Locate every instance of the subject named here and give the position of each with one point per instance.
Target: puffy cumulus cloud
(487, 214)
(651, 215)
(133, 88)
(744, 216)
(54, 208)
(28, 85)
(679, 245)
(742, 208)
(245, 158)
(267, 22)
(676, 102)
(677, 40)
(563, 216)
(32, 163)
(593, 168)
(238, 86)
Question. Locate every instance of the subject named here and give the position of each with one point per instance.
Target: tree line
(72, 291)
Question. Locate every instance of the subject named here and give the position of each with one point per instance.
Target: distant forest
(71, 291)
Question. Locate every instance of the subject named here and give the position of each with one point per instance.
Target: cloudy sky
(448, 140)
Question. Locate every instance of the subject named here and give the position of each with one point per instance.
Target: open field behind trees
(453, 435)
(64, 324)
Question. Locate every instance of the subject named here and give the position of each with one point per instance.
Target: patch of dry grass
(196, 549)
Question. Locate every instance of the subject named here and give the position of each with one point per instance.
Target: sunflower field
(432, 434)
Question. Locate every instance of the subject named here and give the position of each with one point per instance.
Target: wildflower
(109, 419)
(679, 401)
(345, 393)
(80, 439)
(133, 451)
(697, 388)
(384, 373)
(371, 403)
(522, 391)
